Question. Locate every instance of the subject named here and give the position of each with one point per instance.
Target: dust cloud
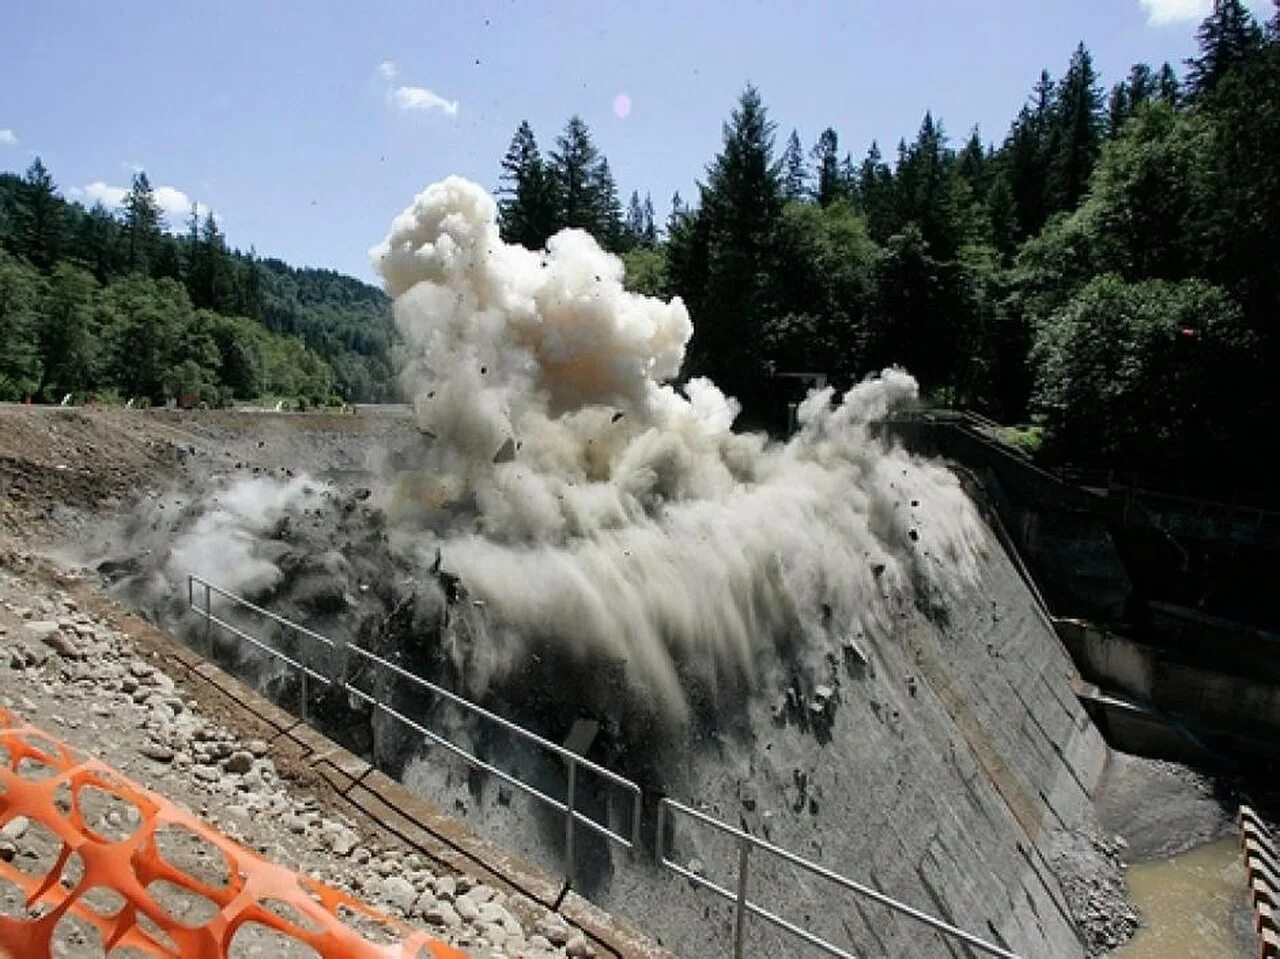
(574, 502)
(620, 514)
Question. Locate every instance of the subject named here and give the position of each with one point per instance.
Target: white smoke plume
(583, 498)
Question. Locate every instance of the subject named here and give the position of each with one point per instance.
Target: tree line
(95, 303)
(1107, 270)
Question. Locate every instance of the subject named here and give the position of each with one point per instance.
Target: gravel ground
(80, 678)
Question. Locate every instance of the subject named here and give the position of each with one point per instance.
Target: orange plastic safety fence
(45, 781)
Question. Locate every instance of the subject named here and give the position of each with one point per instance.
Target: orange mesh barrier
(43, 780)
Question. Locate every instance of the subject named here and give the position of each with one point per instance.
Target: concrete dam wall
(949, 765)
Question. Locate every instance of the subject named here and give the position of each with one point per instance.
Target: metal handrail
(667, 808)
(744, 906)
(571, 759)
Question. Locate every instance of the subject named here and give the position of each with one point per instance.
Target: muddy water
(1192, 905)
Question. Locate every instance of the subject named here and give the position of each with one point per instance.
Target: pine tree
(826, 162)
(249, 289)
(741, 203)
(1078, 126)
(97, 242)
(1228, 36)
(849, 177)
(1168, 88)
(211, 284)
(649, 235)
(39, 217)
(925, 194)
(573, 169)
(1002, 214)
(972, 163)
(1141, 84)
(634, 232)
(1119, 109)
(526, 200)
(795, 178)
(143, 222)
(608, 227)
(876, 192)
(678, 211)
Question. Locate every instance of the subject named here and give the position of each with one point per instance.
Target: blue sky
(307, 125)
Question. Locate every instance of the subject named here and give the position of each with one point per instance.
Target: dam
(828, 644)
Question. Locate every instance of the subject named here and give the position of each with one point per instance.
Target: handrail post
(659, 848)
(636, 809)
(740, 916)
(569, 824)
(208, 621)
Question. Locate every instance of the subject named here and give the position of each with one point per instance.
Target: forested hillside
(1109, 268)
(95, 304)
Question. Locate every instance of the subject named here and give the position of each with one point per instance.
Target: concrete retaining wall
(1210, 702)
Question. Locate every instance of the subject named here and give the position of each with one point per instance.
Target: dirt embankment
(63, 470)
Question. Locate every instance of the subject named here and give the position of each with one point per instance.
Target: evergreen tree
(1228, 36)
(1026, 155)
(215, 290)
(849, 177)
(972, 163)
(526, 197)
(39, 217)
(20, 303)
(1002, 215)
(649, 235)
(741, 202)
(795, 178)
(574, 165)
(97, 242)
(1168, 87)
(68, 346)
(876, 192)
(143, 222)
(608, 226)
(1078, 127)
(1119, 108)
(634, 232)
(678, 211)
(925, 194)
(829, 185)
(1141, 84)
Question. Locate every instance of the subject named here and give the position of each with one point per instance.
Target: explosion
(595, 514)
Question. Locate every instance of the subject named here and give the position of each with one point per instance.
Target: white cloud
(8, 138)
(420, 98)
(107, 195)
(1162, 12)
(388, 69)
(173, 203)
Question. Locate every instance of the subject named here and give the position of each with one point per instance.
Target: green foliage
(138, 338)
(1026, 439)
(646, 271)
(526, 197)
(824, 274)
(346, 322)
(1135, 371)
(1228, 37)
(21, 368)
(585, 194)
(726, 272)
